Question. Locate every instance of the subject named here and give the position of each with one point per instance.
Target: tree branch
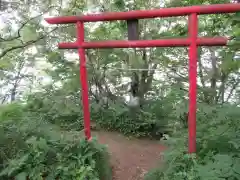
(4, 52)
(233, 88)
(24, 24)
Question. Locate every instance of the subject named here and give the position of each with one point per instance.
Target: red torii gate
(192, 41)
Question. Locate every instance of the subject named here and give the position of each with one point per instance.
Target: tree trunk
(17, 80)
(221, 92)
(214, 76)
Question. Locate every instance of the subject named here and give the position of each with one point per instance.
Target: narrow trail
(131, 158)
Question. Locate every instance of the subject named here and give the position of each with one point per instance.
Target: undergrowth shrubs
(150, 121)
(218, 148)
(142, 123)
(33, 148)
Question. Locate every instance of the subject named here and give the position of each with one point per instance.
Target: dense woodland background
(40, 91)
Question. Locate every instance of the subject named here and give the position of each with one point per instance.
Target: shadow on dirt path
(131, 158)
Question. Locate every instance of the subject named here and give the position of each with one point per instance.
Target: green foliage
(33, 147)
(57, 159)
(56, 108)
(218, 150)
(150, 121)
(13, 111)
(54, 159)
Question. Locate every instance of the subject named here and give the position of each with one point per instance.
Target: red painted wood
(142, 14)
(193, 33)
(216, 41)
(83, 80)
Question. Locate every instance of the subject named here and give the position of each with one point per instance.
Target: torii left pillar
(83, 79)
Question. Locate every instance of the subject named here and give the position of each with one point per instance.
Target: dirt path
(131, 158)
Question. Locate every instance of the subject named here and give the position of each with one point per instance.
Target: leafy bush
(66, 111)
(32, 147)
(56, 110)
(140, 123)
(150, 121)
(12, 111)
(218, 155)
(57, 159)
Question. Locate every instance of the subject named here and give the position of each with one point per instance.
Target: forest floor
(131, 158)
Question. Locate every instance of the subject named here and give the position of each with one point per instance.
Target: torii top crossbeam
(143, 14)
(192, 41)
